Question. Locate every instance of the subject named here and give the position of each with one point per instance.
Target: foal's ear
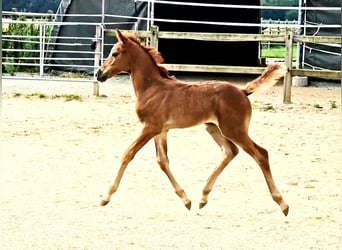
(120, 36)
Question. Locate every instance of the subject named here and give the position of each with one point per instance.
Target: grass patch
(67, 97)
(37, 94)
(263, 106)
(333, 105)
(72, 97)
(276, 51)
(317, 106)
(268, 107)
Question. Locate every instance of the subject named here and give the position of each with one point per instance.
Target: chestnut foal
(164, 103)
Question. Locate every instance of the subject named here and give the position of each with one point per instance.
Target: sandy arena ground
(58, 158)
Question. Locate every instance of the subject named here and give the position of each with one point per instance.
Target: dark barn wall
(319, 55)
(174, 51)
(74, 7)
(123, 7)
(207, 52)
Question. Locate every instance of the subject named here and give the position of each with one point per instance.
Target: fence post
(154, 39)
(96, 89)
(288, 62)
(41, 48)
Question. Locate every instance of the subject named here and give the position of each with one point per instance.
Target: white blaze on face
(114, 52)
(111, 58)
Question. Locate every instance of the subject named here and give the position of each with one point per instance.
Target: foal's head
(124, 54)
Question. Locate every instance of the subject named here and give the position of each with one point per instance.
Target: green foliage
(24, 45)
(276, 51)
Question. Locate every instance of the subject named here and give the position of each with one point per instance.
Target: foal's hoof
(104, 202)
(202, 204)
(286, 210)
(188, 205)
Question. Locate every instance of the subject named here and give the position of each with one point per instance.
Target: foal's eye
(115, 54)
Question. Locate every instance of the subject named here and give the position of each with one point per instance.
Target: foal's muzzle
(101, 76)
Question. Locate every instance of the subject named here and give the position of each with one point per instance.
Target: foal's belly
(189, 120)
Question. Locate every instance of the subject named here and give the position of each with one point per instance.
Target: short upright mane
(155, 55)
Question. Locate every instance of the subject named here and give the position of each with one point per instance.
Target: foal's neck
(144, 72)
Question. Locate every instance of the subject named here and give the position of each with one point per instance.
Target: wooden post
(288, 62)
(154, 39)
(97, 58)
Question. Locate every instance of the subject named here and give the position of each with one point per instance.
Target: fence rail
(272, 32)
(155, 35)
(288, 38)
(39, 48)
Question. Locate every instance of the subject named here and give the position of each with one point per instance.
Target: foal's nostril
(98, 73)
(100, 76)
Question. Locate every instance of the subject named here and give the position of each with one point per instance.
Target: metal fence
(40, 46)
(31, 54)
(278, 28)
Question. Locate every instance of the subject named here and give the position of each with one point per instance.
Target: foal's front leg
(143, 138)
(163, 161)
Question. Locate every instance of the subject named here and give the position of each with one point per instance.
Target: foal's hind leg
(229, 152)
(260, 155)
(163, 161)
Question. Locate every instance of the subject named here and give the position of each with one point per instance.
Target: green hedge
(22, 43)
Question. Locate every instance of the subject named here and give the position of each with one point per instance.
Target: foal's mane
(155, 55)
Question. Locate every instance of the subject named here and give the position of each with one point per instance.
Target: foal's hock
(164, 103)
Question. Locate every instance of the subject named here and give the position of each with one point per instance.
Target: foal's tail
(267, 79)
